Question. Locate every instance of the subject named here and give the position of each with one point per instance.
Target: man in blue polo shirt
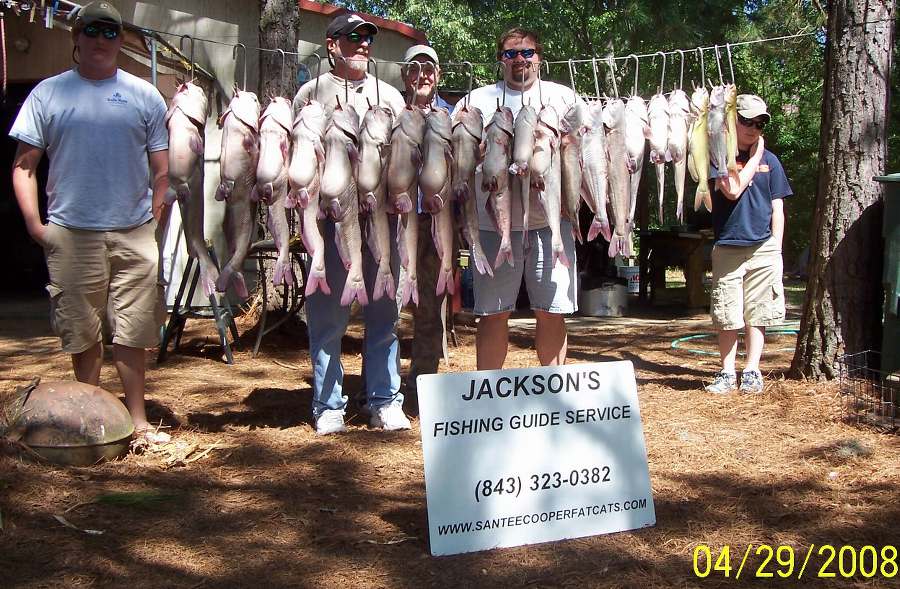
(748, 220)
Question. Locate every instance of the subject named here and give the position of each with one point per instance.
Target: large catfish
(621, 203)
(636, 130)
(304, 177)
(731, 126)
(240, 152)
(547, 180)
(374, 149)
(545, 174)
(698, 154)
(468, 127)
(718, 142)
(307, 153)
(406, 158)
(522, 150)
(338, 198)
(679, 121)
(186, 121)
(658, 117)
(437, 154)
(572, 128)
(498, 140)
(272, 180)
(595, 178)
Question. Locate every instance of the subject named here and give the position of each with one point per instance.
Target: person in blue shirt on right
(748, 221)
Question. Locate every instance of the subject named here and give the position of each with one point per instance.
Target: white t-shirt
(97, 134)
(331, 88)
(485, 98)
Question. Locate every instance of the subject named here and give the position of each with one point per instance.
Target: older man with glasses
(748, 222)
(551, 287)
(104, 198)
(349, 39)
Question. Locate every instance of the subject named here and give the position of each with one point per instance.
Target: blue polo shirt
(748, 220)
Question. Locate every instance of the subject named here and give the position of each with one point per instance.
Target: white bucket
(607, 301)
(633, 275)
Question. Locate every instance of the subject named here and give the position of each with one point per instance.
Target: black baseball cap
(101, 11)
(347, 23)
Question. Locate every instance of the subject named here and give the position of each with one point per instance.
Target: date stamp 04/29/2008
(785, 562)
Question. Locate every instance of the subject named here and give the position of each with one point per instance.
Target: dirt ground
(248, 496)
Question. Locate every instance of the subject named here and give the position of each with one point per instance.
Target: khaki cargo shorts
(746, 286)
(90, 269)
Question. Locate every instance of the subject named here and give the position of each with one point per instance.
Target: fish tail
(316, 281)
(481, 262)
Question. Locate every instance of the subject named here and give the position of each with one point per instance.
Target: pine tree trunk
(843, 296)
(278, 25)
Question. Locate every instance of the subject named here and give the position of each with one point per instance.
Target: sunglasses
(760, 125)
(355, 37)
(512, 53)
(93, 31)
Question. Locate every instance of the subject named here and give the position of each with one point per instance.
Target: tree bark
(841, 313)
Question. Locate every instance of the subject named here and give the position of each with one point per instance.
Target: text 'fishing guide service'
(532, 455)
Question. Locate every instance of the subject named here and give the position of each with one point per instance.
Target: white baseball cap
(425, 50)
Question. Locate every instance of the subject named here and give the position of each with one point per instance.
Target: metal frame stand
(183, 309)
(292, 298)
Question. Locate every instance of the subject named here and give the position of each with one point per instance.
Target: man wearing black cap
(349, 39)
(104, 132)
(748, 222)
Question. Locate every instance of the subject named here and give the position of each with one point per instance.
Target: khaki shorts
(89, 269)
(746, 286)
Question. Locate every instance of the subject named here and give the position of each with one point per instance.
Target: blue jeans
(327, 322)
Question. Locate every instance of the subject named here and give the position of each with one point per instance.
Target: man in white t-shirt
(551, 287)
(349, 38)
(104, 133)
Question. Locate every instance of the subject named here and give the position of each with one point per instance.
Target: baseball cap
(347, 23)
(425, 50)
(751, 106)
(99, 12)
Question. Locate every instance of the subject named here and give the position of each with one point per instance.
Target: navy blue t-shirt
(748, 220)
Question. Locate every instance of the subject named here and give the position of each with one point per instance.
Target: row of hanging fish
(253, 168)
(372, 171)
(689, 133)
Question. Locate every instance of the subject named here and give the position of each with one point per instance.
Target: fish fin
(342, 251)
(492, 214)
(481, 261)
(196, 144)
(692, 167)
(435, 237)
(354, 290)
(576, 232)
(371, 241)
(613, 247)
(445, 283)
(316, 281)
(504, 254)
(224, 190)
(598, 227)
(282, 273)
(250, 144)
(707, 201)
(561, 256)
(353, 153)
(208, 277)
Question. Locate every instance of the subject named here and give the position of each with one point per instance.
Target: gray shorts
(549, 289)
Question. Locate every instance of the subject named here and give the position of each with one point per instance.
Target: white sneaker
(389, 417)
(331, 421)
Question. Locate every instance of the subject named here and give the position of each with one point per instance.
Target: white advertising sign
(532, 455)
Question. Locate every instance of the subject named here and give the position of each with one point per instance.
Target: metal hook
(637, 67)
(719, 66)
(318, 71)
(662, 78)
(234, 57)
(283, 59)
(377, 85)
(681, 76)
(730, 66)
(572, 77)
(467, 65)
(499, 74)
(702, 68)
(596, 79)
(612, 69)
(540, 92)
(191, 52)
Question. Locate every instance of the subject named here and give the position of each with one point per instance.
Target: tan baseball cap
(101, 11)
(425, 50)
(751, 106)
